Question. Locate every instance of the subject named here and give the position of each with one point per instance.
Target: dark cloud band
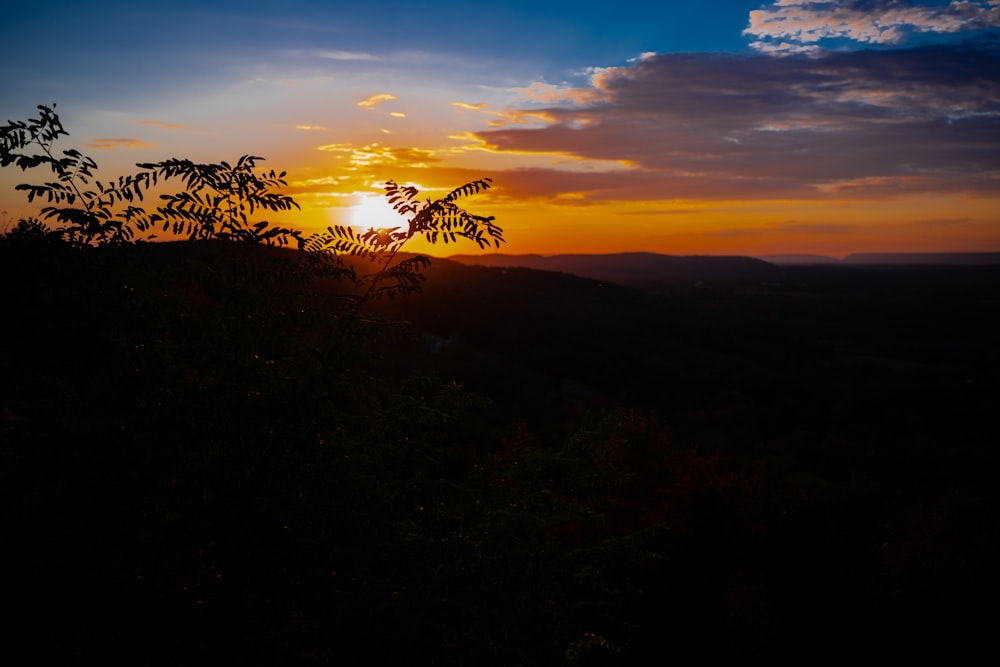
(866, 121)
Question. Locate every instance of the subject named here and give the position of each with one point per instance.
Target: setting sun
(375, 212)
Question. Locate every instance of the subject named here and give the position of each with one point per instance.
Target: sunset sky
(709, 127)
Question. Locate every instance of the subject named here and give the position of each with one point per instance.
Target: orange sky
(807, 139)
(548, 201)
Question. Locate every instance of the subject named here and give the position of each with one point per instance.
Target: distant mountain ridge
(931, 258)
(639, 268)
(799, 259)
(893, 259)
(645, 269)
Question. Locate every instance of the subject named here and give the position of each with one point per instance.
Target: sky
(709, 127)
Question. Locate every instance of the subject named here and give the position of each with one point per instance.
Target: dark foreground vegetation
(538, 469)
(218, 451)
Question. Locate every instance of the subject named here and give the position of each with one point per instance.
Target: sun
(375, 212)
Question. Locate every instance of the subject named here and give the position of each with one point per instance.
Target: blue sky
(791, 125)
(92, 50)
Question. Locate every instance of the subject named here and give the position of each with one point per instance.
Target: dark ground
(537, 469)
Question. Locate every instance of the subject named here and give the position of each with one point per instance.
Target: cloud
(642, 56)
(312, 128)
(870, 124)
(790, 228)
(942, 222)
(551, 94)
(344, 55)
(789, 26)
(324, 180)
(112, 144)
(328, 186)
(335, 148)
(376, 154)
(509, 116)
(372, 101)
(471, 107)
(171, 126)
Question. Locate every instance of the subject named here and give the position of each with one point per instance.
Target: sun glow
(372, 211)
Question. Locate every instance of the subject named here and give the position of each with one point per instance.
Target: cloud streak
(372, 101)
(788, 26)
(114, 144)
(378, 155)
(160, 123)
(344, 55)
(868, 124)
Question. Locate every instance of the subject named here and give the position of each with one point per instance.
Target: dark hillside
(822, 335)
(926, 258)
(864, 400)
(204, 451)
(543, 340)
(799, 259)
(640, 269)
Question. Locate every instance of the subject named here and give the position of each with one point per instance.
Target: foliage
(440, 219)
(220, 201)
(31, 230)
(85, 205)
(221, 388)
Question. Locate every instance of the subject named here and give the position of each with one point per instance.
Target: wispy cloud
(312, 128)
(343, 55)
(788, 26)
(789, 228)
(376, 154)
(372, 101)
(942, 222)
(325, 185)
(160, 123)
(552, 94)
(113, 144)
(479, 106)
(334, 148)
(508, 116)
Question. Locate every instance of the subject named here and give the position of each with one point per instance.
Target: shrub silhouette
(197, 423)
